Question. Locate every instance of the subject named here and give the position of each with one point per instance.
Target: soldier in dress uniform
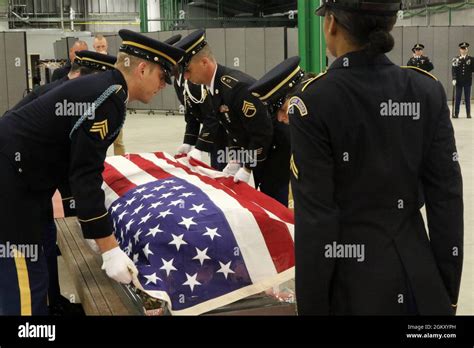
(367, 136)
(85, 63)
(419, 60)
(203, 131)
(245, 119)
(463, 68)
(274, 90)
(50, 139)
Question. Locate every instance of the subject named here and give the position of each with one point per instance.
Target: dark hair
(369, 31)
(82, 69)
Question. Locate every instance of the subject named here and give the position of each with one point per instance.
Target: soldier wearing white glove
(232, 168)
(455, 82)
(243, 175)
(184, 149)
(118, 266)
(196, 154)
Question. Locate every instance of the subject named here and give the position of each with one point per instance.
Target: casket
(202, 243)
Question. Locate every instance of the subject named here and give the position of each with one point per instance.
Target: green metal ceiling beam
(312, 46)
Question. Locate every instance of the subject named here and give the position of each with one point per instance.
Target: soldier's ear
(332, 24)
(141, 68)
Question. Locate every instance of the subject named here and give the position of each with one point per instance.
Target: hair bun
(380, 41)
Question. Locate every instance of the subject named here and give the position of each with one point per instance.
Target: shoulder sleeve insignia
(101, 127)
(297, 102)
(249, 109)
(229, 81)
(420, 71)
(310, 81)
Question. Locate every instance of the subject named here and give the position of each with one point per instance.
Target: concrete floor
(151, 133)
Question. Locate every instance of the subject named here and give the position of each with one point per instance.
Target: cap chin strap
(193, 99)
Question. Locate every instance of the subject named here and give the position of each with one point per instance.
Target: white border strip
(232, 297)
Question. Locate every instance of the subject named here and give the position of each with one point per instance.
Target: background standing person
(100, 44)
(62, 72)
(419, 60)
(359, 164)
(463, 68)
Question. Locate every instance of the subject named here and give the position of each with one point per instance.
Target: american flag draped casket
(199, 240)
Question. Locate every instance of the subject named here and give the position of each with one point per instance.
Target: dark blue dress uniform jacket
(41, 135)
(462, 70)
(244, 118)
(357, 176)
(202, 127)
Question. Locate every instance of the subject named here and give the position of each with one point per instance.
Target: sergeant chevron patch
(249, 109)
(101, 127)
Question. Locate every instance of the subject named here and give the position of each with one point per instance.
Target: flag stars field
(179, 236)
(187, 222)
(192, 281)
(152, 279)
(168, 266)
(198, 208)
(225, 269)
(202, 255)
(154, 231)
(178, 241)
(147, 251)
(212, 233)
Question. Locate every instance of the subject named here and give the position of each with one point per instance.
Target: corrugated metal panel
(113, 6)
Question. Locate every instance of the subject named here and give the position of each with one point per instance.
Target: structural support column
(144, 16)
(312, 46)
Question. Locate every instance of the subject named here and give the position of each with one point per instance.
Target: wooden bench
(102, 296)
(99, 295)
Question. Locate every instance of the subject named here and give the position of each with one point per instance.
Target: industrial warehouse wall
(455, 18)
(252, 50)
(257, 50)
(441, 45)
(13, 69)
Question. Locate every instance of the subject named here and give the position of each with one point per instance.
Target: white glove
(93, 245)
(196, 154)
(232, 168)
(455, 82)
(184, 149)
(242, 176)
(118, 266)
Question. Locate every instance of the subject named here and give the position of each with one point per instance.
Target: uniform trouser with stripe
(467, 96)
(23, 274)
(23, 285)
